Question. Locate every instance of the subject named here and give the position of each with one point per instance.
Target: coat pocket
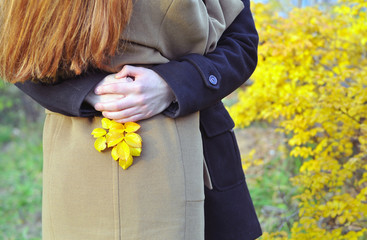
(220, 148)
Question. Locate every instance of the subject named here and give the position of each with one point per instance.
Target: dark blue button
(213, 80)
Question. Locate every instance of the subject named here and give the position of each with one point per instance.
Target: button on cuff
(213, 80)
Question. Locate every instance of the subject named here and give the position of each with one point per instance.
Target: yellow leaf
(342, 219)
(123, 151)
(106, 123)
(114, 154)
(98, 132)
(118, 127)
(135, 151)
(133, 139)
(114, 138)
(100, 144)
(131, 127)
(126, 163)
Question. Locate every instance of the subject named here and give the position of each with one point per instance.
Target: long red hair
(40, 39)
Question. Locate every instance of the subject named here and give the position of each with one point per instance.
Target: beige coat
(173, 28)
(161, 196)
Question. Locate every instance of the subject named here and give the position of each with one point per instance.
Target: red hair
(42, 38)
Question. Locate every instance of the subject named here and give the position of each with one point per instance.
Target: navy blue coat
(199, 83)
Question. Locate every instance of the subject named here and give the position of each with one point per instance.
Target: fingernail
(97, 90)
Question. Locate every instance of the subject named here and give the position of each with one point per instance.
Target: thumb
(128, 71)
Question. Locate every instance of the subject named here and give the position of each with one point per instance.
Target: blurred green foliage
(9, 97)
(17, 108)
(21, 165)
(21, 182)
(272, 194)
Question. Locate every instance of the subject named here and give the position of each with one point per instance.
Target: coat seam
(184, 176)
(51, 177)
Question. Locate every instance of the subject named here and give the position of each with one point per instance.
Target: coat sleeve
(197, 81)
(66, 97)
(201, 81)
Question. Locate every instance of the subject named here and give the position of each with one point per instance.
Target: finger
(134, 118)
(109, 79)
(126, 113)
(125, 79)
(105, 98)
(112, 88)
(118, 105)
(128, 71)
(112, 79)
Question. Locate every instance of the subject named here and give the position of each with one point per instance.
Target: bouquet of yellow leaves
(123, 140)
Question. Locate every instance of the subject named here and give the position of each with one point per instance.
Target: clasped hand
(133, 94)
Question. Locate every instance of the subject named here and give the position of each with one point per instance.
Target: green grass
(272, 194)
(20, 181)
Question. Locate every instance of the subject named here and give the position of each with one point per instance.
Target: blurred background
(300, 122)
(21, 122)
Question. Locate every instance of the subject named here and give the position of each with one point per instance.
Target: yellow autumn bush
(311, 82)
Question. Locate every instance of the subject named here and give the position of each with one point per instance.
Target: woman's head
(40, 38)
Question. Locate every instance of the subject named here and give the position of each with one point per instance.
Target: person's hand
(143, 98)
(93, 98)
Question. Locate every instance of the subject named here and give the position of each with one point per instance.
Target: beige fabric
(88, 196)
(207, 178)
(179, 27)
